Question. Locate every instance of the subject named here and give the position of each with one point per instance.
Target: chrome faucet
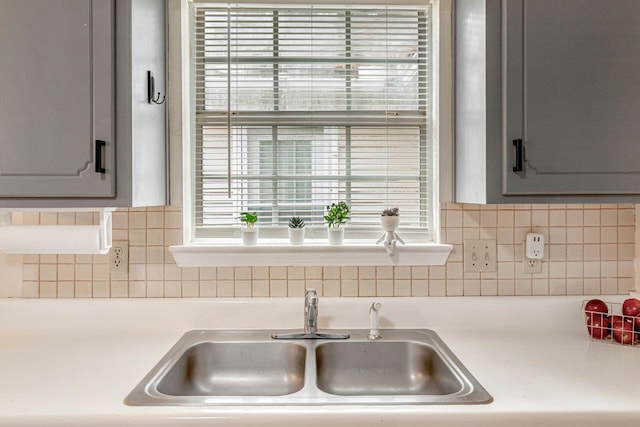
(310, 322)
(311, 312)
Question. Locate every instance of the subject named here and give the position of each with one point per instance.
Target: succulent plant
(337, 214)
(391, 212)
(296, 222)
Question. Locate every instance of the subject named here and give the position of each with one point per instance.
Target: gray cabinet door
(56, 98)
(572, 94)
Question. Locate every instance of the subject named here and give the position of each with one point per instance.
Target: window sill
(231, 254)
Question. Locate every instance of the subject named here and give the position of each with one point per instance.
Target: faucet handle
(311, 296)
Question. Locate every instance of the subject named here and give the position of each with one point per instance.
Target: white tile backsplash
(590, 250)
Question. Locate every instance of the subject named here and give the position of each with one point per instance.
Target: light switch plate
(480, 256)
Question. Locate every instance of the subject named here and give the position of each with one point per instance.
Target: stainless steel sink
(384, 368)
(249, 368)
(236, 369)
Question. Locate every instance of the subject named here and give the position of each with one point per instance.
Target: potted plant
(337, 215)
(296, 230)
(250, 232)
(390, 219)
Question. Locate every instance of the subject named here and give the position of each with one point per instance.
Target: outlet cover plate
(119, 257)
(530, 265)
(480, 256)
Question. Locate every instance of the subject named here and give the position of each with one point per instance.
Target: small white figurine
(389, 220)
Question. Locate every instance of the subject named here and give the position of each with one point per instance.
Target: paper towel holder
(105, 227)
(106, 233)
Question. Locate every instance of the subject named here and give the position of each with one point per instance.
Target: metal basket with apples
(613, 322)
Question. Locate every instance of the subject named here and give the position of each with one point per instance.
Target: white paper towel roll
(52, 239)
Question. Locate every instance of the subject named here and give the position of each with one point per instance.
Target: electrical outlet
(530, 265)
(534, 246)
(480, 256)
(119, 257)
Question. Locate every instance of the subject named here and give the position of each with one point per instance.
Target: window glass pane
(310, 167)
(312, 33)
(295, 59)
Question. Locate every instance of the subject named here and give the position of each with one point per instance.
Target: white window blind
(300, 107)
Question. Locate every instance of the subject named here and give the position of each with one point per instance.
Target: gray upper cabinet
(56, 86)
(547, 101)
(76, 127)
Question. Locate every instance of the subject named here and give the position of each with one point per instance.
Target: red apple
(616, 321)
(595, 307)
(636, 321)
(598, 326)
(624, 333)
(631, 307)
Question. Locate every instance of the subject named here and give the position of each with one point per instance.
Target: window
(299, 107)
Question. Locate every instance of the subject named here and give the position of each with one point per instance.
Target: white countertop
(72, 362)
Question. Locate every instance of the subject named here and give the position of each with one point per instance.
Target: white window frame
(230, 252)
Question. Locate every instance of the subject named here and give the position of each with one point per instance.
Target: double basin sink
(224, 368)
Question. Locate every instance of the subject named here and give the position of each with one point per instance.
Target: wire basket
(612, 327)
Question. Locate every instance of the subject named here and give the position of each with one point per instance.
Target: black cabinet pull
(99, 146)
(518, 166)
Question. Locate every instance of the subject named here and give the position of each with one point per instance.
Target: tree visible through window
(300, 107)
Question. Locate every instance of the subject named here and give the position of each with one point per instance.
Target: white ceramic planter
(336, 235)
(250, 237)
(296, 236)
(389, 223)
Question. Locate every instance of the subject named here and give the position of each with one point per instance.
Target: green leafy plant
(337, 214)
(391, 212)
(296, 222)
(249, 218)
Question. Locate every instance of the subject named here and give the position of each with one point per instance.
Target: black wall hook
(152, 98)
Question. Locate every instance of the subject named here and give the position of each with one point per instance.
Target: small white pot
(296, 236)
(389, 223)
(336, 235)
(250, 236)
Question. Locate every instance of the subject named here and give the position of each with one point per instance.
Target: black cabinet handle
(99, 146)
(518, 166)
